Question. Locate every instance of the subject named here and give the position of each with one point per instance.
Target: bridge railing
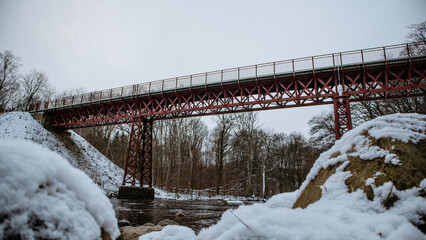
(291, 66)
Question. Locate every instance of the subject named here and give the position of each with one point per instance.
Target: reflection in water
(198, 214)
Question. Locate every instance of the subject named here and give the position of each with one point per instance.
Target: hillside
(68, 144)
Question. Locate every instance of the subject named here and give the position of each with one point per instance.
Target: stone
(123, 223)
(149, 224)
(162, 205)
(133, 233)
(166, 222)
(105, 235)
(180, 214)
(128, 192)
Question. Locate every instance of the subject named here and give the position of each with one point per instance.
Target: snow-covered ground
(20, 125)
(159, 193)
(44, 197)
(338, 214)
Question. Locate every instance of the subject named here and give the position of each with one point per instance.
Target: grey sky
(104, 44)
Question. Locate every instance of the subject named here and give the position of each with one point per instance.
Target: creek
(198, 213)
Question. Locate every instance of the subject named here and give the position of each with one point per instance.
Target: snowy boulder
(44, 197)
(389, 151)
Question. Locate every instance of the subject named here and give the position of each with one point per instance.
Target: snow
(20, 125)
(283, 200)
(171, 232)
(338, 214)
(44, 197)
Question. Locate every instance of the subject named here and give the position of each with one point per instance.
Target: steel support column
(145, 153)
(139, 154)
(131, 165)
(342, 115)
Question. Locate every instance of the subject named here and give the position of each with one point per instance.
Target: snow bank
(20, 125)
(338, 214)
(44, 197)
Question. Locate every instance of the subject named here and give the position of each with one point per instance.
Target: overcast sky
(98, 45)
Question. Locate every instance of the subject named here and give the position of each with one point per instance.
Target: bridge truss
(338, 79)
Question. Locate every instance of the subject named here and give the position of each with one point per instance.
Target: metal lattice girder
(342, 116)
(402, 78)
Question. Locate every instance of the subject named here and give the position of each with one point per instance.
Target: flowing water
(198, 213)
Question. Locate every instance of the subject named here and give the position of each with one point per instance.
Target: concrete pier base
(143, 193)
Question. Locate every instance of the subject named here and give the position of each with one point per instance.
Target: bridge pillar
(342, 115)
(138, 166)
(145, 153)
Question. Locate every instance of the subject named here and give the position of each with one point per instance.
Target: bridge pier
(342, 115)
(138, 166)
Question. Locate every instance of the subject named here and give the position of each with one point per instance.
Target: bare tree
(297, 156)
(221, 138)
(247, 144)
(417, 34)
(322, 130)
(36, 88)
(197, 133)
(69, 93)
(9, 79)
(368, 110)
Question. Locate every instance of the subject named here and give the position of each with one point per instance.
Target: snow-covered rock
(71, 146)
(43, 197)
(340, 212)
(388, 149)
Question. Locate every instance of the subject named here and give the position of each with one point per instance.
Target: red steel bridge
(337, 78)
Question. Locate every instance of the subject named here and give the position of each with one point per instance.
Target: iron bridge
(337, 78)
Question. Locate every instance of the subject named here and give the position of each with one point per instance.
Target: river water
(198, 213)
